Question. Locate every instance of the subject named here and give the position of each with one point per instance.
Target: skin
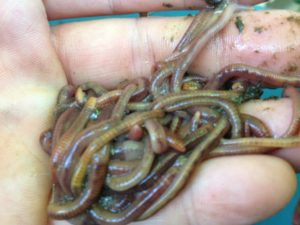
(58, 9)
(31, 80)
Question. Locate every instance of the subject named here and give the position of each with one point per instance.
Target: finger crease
(142, 51)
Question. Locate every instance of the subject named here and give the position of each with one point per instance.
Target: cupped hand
(36, 61)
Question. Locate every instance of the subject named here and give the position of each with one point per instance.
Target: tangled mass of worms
(121, 155)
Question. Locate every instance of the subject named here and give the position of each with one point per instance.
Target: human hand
(37, 61)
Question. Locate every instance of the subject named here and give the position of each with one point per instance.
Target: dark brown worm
(191, 85)
(128, 150)
(79, 144)
(77, 206)
(214, 24)
(127, 181)
(224, 150)
(116, 202)
(46, 141)
(99, 142)
(95, 87)
(163, 164)
(229, 107)
(198, 134)
(65, 100)
(256, 127)
(61, 148)
(157, 134)
(195, 121)
(61, 122)
(174, 141)
(253, 74)
(120, 167)
(187, 163)
(144, 201)
(142, 89)
(263, 142)
(108, 98)
(120, 107)
(136, 133)
(178, 97)
(66, 94)
(175, 123)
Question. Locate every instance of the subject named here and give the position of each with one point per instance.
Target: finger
(291, 155)
(229, 191)
(226, 192)
(26, 49)
(113, 50)
(57, 9)
(277, 115)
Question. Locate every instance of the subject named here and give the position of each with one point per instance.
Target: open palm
(36, 61)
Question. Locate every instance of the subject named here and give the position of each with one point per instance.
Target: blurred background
(284, 217)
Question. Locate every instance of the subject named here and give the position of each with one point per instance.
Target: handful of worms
(121, 155)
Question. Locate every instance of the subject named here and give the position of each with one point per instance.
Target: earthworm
(76, 148)
(157, 135)
(116, 201)
(75, 207)
(185, 128)
(229, 107)
(207, 113)
(175, 123)
(202, 131)
(159, 76)
(60, 124)
(142, 89)
(288, 142)
(218, 19)
(96, 144)
(197, 26)
(66, 94)
(108, 98)
(121, 167)
(46, 141)
(121, 105)
(174, 141)
(253, 74)
(195, 121)
(167, 119)
(164, 162)
(65, 100)
(95, 87)
(191, 85)
(224, 150)
(187, 163)
(139, 106)
(256, 126)
(61, 147)
(128, 150)
(144, 201)
(127, 181)
(136, 133)
(177, 97)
